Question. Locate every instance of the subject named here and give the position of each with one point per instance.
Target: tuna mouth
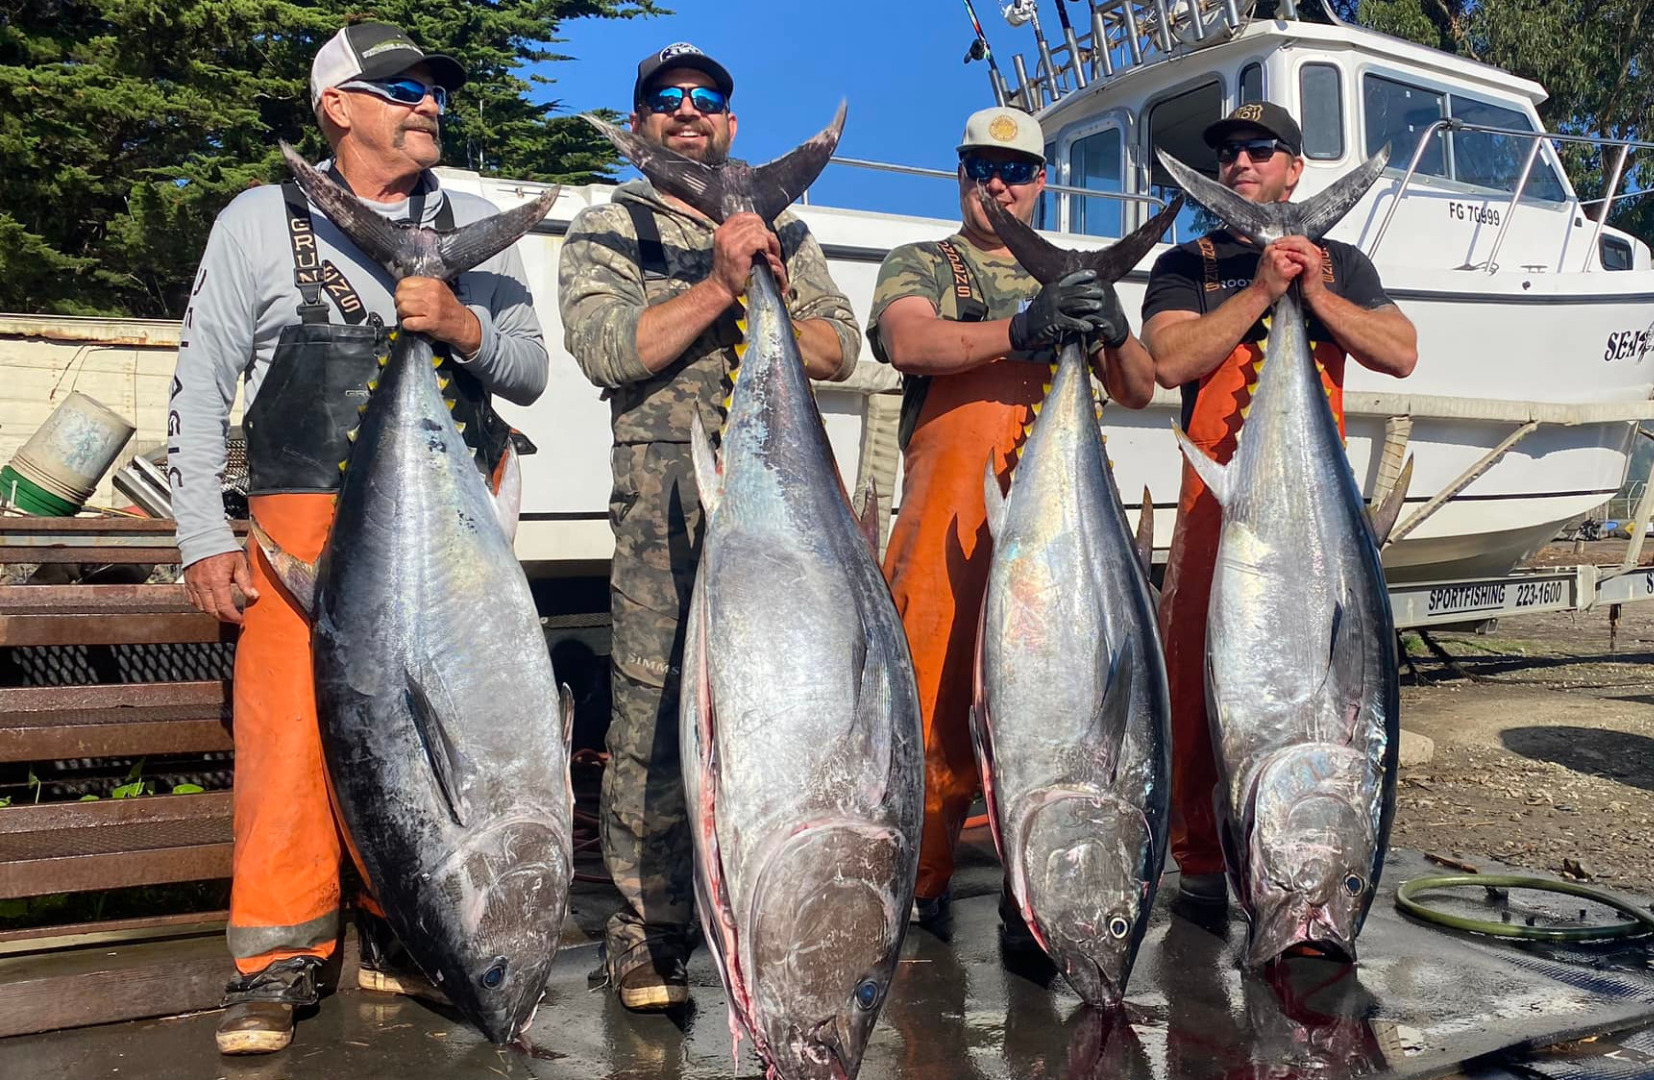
(1307, 933)
(819, 1049)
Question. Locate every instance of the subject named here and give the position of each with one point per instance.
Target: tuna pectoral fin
(1383, 515)
(1213, 475)
(993, 498)
(508, 492)
(296, 576)
(1344, 673)
(1145, 533)
(707, 481)
(869, 517)
(428, 702)
(1114, 713)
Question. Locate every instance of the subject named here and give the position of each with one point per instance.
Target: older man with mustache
(284, 300)
(649, 291)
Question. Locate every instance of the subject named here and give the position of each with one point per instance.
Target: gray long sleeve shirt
(245, 296)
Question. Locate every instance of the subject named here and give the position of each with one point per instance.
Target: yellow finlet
(1046, 389)
(798, 332)
(459, 426)
(451, 402)
(361, 409)
(383, 360)
(740, 350)
(1037, 406)
(342, 465)
(442, 382)
(392, 335)
(373, 384)
(436, 361)
(1246, 410)
(350, 436)
(1027, 429)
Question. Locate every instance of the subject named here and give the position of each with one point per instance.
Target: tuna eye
(494, 977)
(1119, 927)
(1354, 885)
(867, 994)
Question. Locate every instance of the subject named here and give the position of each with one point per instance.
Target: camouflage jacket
(602, 293)
(922, 270)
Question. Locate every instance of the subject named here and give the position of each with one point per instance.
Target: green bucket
(29, 497)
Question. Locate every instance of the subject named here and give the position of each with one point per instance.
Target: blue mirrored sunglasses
(403, 91)
(669, 99)
(1020, 171)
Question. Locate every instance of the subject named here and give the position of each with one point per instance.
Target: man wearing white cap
(284, 300)
(972, 334)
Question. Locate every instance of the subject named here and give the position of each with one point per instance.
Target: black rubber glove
(1110, 323)
(1060, 309)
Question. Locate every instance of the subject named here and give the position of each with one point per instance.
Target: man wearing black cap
(648, 290)
(1202, 321)
(286, 301)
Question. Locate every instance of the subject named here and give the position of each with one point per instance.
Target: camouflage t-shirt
(922, 270)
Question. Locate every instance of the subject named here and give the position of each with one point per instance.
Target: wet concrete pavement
(1421, 1002)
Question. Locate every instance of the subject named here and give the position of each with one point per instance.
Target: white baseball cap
(374, 50)
(1000, 128)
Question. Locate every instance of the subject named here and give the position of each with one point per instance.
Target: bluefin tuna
(1072, 719)
(444, 730)
(1301, 668)
(802, 751)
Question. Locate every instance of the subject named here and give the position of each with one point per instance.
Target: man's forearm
(1127, 373)
(1380, 339)
(819, 345)
(666, 330)
(1191, 349)
(938, 346)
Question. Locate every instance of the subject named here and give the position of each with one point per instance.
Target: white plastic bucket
(72, 450)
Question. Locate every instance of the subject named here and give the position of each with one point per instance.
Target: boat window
(1251, 83)
(1045, 212)
(1398, 114)
(1616, 254)
(1175, 126)
(1321, 88)
(1494, 162)
(1096, 163)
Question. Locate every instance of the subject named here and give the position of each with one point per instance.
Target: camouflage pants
(656, 516)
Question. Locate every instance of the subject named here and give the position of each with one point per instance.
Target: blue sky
(899, 64)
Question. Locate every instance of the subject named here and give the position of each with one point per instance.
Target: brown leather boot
(258, 1008)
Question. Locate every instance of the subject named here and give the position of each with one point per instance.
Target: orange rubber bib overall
(937, 565)
(1213, 425)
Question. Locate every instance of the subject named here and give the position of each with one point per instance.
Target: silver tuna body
(1302, 681)
(443, 728)
(803, 755)
(1072, 715)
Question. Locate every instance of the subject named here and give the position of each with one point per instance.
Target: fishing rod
(979, 51)
(1073, 41)
(1018, 12)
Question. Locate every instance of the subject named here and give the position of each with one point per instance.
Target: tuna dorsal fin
(1383, 516)
(1114, 712)
(1213, 475)
(508, 492)
(707, 479)
(296, 576)
(1145, 533)
(418, 251)
(1263, 222)
(428, 702)
(565, 710)
(871, 511)
(729, 186)
(993, 498)
(1046, 262)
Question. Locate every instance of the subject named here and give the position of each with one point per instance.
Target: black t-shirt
(1184, 280)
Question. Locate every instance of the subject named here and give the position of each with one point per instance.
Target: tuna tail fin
(1263, 222)
(296, 576)
(428, 701)
(729, 186)
(1145, 533)
(1213, 475)
(1114, 713)
(410, 252)
(993, 498)
(1047, 262)
(707, 479)
(869, 517)
(1383, 515)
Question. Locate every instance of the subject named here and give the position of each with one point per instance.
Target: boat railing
(1536, 140)
(1123, 35)
(1154, 202)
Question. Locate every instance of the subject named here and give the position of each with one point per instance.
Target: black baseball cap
(376, 50)
(680, 54)
(1260, 116)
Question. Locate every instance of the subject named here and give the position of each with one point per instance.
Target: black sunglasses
(1019, 171)
(1254, 149)
(669, 99)
(404, 91)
